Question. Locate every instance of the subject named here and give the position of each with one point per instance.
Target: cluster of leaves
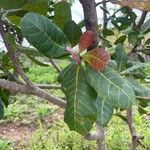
(93, 84)
(92, 93)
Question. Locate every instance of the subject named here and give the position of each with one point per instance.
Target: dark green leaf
(12, 4)
(104, 111)
(62, 14)
(4, 96)
(37, 61)
(107, 32)
(147, 42)
(80, 112)
(121, 39)
(120, 57)
(43, 35)
(140, 91)
(73, 32)
(38, 6)
(111, 86)
(141, 110)
(1, 109)
(135, 68)
(133, 38)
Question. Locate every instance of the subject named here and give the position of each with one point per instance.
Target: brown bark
(90, 18)
(25, 89)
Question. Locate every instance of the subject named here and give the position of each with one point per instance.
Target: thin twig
(12, 55)
(55, 65)
(48, 86)
(99, 3)
(135, 137)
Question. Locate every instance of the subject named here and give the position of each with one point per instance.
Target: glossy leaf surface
(80, 112)
(111, 86)
(43, 35)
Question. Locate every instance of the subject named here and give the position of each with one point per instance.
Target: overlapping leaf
(86, 40)
(62, 14)
(73, 32)
(120, 57)
(98, 58)
(104, 111)
(80, 112)
(38, 6)
(140, 91)
(12, 4)
(111, 86)
(142, 5)
(43, 35)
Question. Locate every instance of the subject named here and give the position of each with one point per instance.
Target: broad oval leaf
(111, 86)
(62, 14)
(43, 35)
(86, 40)
(104, 111)
(73, 32)
(12, 4)
(98, 58)
(80, 112)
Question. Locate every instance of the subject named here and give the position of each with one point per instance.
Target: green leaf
(140, 91)
(107, 32)
(4, 96)
(135, 68)
(145, 28)
(111, 86)
(62, 14)
(37, 61)
(133, 37)
(1, 109)
(38, 6)
(141, 110)
(43, 35)
(121, 39)
(12, 4)
(80, 112)
(73, 32)
(147, 42)
(29, 51)
(104, 111)
(120, 57)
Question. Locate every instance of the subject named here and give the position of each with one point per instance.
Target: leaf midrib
(76, 90)
(43, 32)
(114, 85)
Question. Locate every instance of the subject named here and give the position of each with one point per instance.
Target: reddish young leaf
(86, 40)
(74, 55)
(98, 58)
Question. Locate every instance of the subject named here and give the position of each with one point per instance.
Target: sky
(77, 11)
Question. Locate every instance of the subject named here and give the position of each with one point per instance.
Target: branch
(25, 89)
(142, 19)
(55, 65)
(12, 54)
(90, 17)
(99, 3)
(48, 86)
(135, 137)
